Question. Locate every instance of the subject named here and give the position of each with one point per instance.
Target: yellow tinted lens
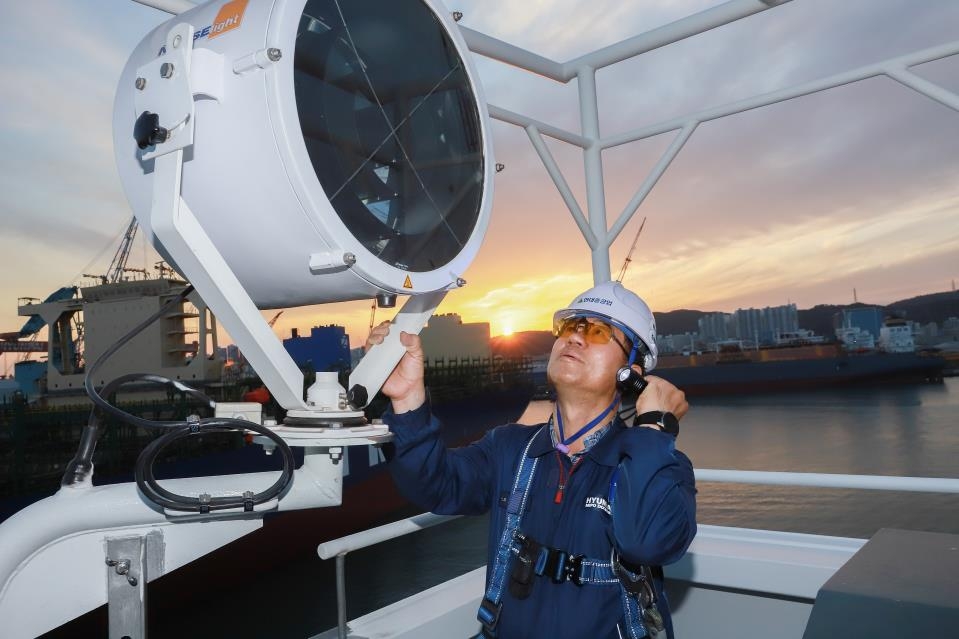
(594, 331)
(566, 327)
(598, 332)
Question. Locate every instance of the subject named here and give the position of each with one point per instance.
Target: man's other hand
(663, 396)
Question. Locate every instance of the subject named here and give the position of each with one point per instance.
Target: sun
(507, 330)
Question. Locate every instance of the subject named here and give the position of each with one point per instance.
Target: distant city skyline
(797, 202)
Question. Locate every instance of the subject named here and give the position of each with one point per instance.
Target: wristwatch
(666, 422)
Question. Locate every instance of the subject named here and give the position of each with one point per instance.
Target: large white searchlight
(289, 152)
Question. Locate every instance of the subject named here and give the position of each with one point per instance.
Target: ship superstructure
(182, 345)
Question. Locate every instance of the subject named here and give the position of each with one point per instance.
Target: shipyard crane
(629, 256)
(119, 262)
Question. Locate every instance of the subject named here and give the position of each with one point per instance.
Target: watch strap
(666, 421)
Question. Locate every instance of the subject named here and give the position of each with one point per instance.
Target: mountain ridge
(929, 307)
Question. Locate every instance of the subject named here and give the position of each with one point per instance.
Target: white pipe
(651, 180)
(827, 480)
(359, 540)
(71, 511)
(507, 53)
(373, 536)
(561, 185)
(925, 87)
(673, 32)
(593, 169)
(725, 13)
(846, 77)
(511, 117)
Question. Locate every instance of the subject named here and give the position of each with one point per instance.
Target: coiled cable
(80, 467)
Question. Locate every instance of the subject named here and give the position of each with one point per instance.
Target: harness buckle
(639, 585)
(574, 569)
(559, 565)
(488, 615)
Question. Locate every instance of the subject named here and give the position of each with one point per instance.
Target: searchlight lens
(391, 127)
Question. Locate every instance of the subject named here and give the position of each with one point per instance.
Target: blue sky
(796, 202)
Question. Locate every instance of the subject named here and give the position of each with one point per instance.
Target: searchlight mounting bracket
(164, 103)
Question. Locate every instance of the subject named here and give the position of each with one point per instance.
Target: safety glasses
(595, 331)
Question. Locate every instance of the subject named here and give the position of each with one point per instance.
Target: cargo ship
(734, 370)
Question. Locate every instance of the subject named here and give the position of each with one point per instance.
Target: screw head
(274, 54)
(140, 83)
(500, 166)
(166, 70)
(457, 16)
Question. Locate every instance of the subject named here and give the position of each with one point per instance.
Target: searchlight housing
(289, 152)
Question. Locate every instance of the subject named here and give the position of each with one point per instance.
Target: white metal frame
(595, 229)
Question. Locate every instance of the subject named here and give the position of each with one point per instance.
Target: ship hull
(716, 377)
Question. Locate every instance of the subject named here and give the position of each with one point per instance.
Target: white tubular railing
(826, 480)
(339, 548)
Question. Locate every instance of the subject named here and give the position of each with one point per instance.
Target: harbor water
(886, 430)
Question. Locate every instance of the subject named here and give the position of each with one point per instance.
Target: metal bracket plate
(166, 90)
(130, 562)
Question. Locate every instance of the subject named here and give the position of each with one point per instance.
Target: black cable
(81, 466)
(149, 486)
(109, 408)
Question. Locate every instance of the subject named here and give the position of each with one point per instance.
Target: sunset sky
(798, 202)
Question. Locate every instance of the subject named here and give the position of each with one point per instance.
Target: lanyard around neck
(563, 445)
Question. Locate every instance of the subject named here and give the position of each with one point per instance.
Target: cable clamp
(204, 499)
(193, 421)
(248, 501)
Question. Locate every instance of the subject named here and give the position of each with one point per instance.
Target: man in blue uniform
(583, 510)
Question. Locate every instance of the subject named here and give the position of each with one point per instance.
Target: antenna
(629, 256)
(855, 298)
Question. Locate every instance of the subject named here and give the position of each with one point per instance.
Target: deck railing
(342, 546)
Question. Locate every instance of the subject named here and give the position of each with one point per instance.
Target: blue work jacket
(650, 516)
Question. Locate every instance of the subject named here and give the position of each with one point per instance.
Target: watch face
(670, 424)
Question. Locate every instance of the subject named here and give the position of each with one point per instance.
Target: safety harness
(524, 558)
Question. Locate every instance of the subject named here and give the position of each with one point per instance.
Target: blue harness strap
(590, 571)
(634, 617)
(492, 604)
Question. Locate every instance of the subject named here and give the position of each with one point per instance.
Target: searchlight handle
(378, 362)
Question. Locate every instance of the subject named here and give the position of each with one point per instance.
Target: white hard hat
(622, 308)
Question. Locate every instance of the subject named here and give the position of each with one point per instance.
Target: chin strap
(564, 442)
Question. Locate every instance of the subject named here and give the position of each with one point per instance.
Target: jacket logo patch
(598, 502)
